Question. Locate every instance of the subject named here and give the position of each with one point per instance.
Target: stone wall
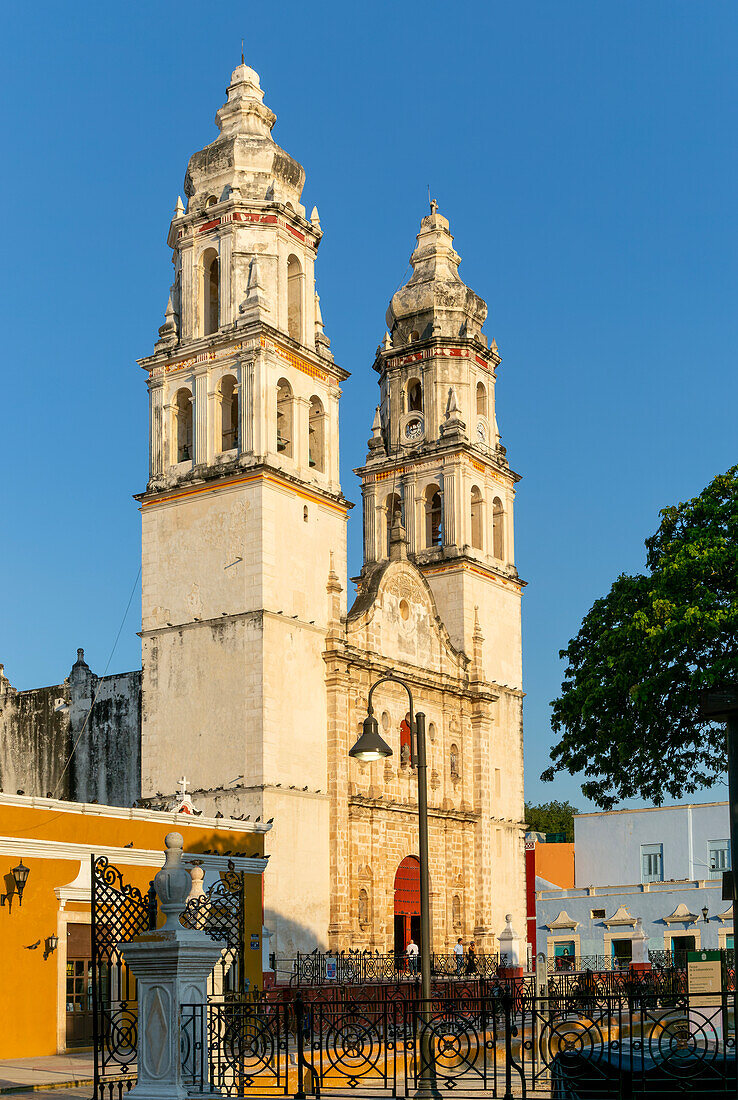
(40, 727)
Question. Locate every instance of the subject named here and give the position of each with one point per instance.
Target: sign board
(254, 941)
(704, 984)
(330, 969)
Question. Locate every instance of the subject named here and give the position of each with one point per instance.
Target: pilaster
(200, 418)
(156, 429)
(449, 508)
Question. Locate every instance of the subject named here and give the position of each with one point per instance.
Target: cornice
(259, 613)
(357, 801)
(205, 478)
(437, 346)
(33, 848)
(241, 340)
(94, 809)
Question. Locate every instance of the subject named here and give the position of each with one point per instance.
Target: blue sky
(585, 154)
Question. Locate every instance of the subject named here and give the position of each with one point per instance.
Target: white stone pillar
(509, 943)
(332, 441)
(246, 406)
(449, 509)
(408, 496)
(300, 430)
(370, 507)
(171, 966)
(639, 942)
(156, 429)
(225, 296)
(188, 295)
(200, 418)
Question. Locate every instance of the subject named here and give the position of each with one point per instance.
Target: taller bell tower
(436, 457)
(243, 508)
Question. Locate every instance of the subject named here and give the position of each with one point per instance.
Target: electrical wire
(99, 683)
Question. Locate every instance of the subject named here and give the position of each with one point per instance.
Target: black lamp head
(20, 874)
(705, 912)
(370, 745)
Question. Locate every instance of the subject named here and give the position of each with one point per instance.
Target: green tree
(551, 817)
(628, 716)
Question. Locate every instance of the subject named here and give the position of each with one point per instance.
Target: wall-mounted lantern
(50, 945)
(20, 876)
(705, 912)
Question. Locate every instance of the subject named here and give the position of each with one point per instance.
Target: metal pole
(427, 1083)
(731, 735)
(425, 931)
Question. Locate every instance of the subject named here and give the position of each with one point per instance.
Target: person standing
(412, 955)
(459, 953)
(471, 959)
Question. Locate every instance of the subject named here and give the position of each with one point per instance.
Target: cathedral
(255, 671)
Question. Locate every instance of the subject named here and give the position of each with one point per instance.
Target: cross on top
(182, 784)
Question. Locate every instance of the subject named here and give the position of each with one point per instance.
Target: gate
(220, 913)
(119, 912)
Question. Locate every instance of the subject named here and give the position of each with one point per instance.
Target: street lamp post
(371, 746)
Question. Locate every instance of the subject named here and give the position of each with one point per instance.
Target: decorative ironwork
(483, 1043)
(364, 968)
(220, 913)
(119, 912)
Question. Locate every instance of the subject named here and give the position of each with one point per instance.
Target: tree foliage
(628, 716)
(551, 817)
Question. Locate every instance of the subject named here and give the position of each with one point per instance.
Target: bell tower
(435, 455)
(243, 506)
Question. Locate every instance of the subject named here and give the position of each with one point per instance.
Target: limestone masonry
(252, 665)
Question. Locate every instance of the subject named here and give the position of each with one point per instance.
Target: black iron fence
(364, 968)
(669, 1047)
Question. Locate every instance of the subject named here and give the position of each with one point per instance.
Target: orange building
(552, 861)
(45, 918)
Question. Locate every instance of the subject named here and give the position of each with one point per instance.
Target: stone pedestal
(171, 966)
(639, 958)
(511, 965)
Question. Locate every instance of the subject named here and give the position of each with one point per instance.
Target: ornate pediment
(562, 921)
(620, 919)
(726, 915)
(681, 915)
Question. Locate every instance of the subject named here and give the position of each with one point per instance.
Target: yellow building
(45, 921)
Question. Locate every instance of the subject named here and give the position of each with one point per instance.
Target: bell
(370, 745)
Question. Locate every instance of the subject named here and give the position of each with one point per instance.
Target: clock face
(414, 428)
(481, 432)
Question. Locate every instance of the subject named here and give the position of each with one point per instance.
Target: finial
(315, 218)
(173, 882)
(398, 542)
(387, 341)
(179, 208)
(242, 60)
(433, 204)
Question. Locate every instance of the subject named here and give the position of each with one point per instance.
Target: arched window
(210, 292)
(498, 529)
(414, 396)
(363, 908)
(228, 413)
(183, 425)
(414, 335)
(316, 435)
(454, 761)
(392, 508)
(294, 298)
(284, 418)
(456, 912)
(476, 518)
(433, 516)
(481, 399)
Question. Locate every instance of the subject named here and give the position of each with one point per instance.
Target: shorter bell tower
(436, 456)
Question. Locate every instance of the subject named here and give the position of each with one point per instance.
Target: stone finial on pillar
(171, 965)
(639, 941)
(452, 424)
(509, 942)
(398, 542)
(376, 443)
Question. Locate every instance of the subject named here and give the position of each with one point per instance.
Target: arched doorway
(407, 904)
